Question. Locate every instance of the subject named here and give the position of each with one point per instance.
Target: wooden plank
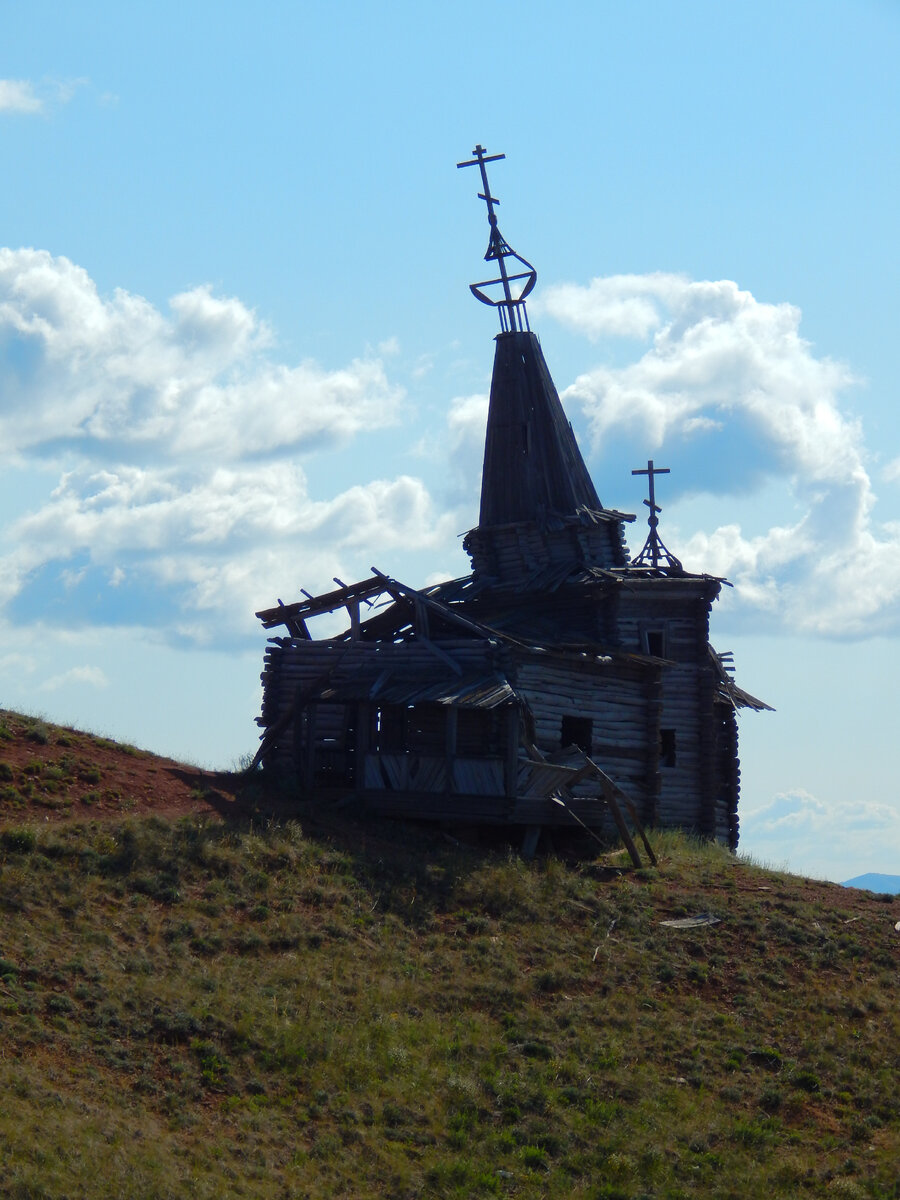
(639, 827)
(477, 776)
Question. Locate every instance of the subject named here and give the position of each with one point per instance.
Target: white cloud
(91, 676)
(23, 96)
(612, 305)
(80, 368)
(719, 357)
(18, 95)
(736, 396)
(462, 449)
(179, 436)
(225, 543)
(823, 837)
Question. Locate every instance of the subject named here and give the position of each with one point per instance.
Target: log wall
(636, 706)
(294, 666)
(514, 554)
(618, 699)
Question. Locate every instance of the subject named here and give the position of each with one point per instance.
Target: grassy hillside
(315, 1009)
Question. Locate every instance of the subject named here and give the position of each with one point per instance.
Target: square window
(577, 731)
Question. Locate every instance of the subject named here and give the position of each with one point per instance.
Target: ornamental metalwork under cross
(515, 286)
(654, 552)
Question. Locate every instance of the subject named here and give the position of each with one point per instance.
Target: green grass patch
(257, 1011)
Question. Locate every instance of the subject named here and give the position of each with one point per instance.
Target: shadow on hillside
(414, 866)
(234, 796)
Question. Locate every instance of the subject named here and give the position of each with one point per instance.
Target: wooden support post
(610, 797)
(511, 758)
(450, 745)
(363, 734)
(611, 792)
(306, 719)
(530, 841)
(420, 616)
(353, 611)
(639, 827)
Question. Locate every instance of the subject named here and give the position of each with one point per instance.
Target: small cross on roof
(654, 551)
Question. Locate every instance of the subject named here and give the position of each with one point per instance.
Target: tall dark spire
(534, 477)
(533, 469)
(515, 286)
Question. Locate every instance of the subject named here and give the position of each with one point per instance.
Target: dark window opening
(655, 642)
(667, 747)
(390, 729)
(475, 733)
(334, 730)
(426, 729)
(577, 731)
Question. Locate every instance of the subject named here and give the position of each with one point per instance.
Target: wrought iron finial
(654, 552)
(516, 285)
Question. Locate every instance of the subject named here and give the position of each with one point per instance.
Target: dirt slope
(52, 773)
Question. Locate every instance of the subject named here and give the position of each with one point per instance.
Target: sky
(239, 357)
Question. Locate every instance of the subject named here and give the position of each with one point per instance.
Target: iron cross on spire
(516, 286)
(654, 551)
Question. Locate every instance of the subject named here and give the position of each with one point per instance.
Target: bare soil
(51, 773)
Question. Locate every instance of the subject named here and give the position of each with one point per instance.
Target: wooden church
(559, 675)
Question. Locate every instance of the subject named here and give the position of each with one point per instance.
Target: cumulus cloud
(24, 97)
(180, 495)
(822, 837)
(223, 544)
(76, 367)
(613, 305)
(462, 448)
(18, 95)
(729, 388)
(91, 676)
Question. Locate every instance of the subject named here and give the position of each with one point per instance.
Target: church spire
(536, 491)
(514, 286)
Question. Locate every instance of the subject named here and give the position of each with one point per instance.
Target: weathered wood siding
(698, 791)
(619, 701)
(515, 554)
(295, 666)
(659, 725)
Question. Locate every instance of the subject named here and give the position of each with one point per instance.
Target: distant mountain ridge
(873, 882)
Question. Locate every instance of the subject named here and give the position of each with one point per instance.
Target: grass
(59, 770)
(268, 1011)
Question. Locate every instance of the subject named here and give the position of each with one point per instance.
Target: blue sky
(238, 355)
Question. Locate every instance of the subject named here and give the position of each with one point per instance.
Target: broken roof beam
(296, 627)
(327, 602)
(389, 622)
(401, 591)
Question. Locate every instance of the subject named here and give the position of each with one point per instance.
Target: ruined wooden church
(522, 693)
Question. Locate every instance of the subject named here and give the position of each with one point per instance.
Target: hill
(49, 773)
(250, 1006)
(873, 882)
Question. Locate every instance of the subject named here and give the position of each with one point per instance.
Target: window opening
(577, 731)
(655, 642)
(390, 729)
(475, 733)
(667, 747)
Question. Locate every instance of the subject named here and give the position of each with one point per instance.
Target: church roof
(533, 469)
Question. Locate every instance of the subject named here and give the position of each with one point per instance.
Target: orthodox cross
(654, 552)
(515, 286)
